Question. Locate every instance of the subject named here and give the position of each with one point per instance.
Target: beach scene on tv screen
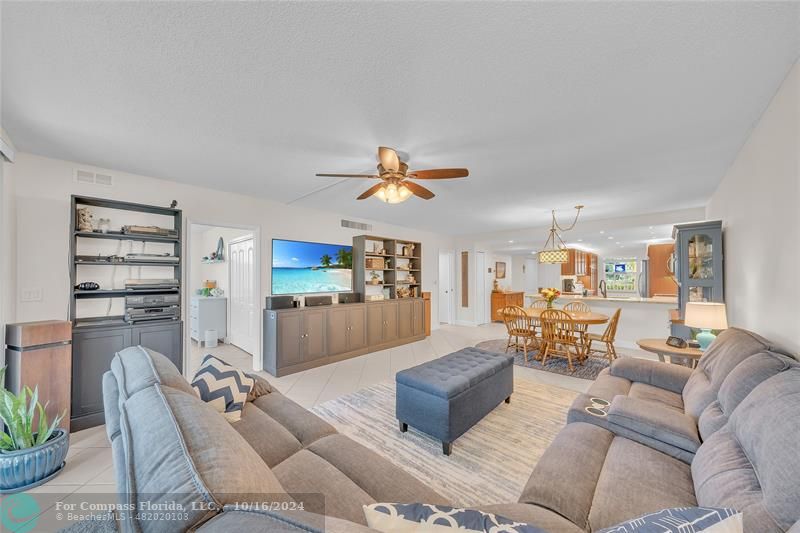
(307, 267)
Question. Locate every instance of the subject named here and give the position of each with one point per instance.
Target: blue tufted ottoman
(447, 396)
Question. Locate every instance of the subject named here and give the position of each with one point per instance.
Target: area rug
(589, 369)
(490, 463)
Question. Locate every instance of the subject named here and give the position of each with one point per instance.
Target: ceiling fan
(395, 186)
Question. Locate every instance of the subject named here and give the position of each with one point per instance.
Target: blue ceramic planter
(25, 469)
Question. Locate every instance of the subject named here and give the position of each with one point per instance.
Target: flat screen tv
(311, 267)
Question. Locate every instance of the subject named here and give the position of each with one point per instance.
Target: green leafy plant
(17, 412)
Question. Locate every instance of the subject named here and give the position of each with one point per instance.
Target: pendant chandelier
(555, 251)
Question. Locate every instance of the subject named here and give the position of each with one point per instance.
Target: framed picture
(499, 270)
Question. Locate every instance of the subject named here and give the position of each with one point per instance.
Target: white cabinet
(208, 312)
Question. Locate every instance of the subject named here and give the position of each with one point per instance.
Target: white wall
(757, 201)
(7, 244)
(43, 192)
(204, 242)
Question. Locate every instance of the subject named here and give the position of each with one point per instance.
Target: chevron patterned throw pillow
(223, 386)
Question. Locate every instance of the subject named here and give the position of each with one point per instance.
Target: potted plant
(374, 278)
(29, 454)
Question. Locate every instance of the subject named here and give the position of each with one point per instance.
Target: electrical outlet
(31, 295)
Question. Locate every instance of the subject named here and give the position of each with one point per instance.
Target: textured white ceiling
(625, 107)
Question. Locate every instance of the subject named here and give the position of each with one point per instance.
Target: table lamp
(706, 316)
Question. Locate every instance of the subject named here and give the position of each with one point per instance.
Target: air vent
(92, 178)
(356, 225)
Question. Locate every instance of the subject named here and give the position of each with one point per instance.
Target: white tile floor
(89, 465)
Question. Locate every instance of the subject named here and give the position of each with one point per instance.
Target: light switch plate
(31, 295)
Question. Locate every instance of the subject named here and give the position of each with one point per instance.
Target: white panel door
(446, 292)
(480, 288)
(243, 297)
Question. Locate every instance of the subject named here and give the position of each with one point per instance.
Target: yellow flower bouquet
(550, 294)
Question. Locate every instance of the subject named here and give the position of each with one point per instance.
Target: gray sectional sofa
(168, 445)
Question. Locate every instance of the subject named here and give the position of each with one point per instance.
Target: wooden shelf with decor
(396, 263)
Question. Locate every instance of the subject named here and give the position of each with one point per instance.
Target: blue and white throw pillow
(683, 520)
(424, 518)
(223, 386)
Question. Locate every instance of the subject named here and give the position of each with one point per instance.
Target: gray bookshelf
(96, 338)
(396, 263)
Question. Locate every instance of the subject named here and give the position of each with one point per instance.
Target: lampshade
(706, 315)
(556, 255)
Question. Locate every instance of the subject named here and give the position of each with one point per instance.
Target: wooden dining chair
(536, 324)
(606, 338)
(560, 336)
(583, 329)
(518, 325)
(578, 307)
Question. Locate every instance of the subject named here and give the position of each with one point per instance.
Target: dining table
(581, 317)
(589, 318)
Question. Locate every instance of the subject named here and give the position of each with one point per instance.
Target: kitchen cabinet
(299, 339)
(577, 263)
(505, 299)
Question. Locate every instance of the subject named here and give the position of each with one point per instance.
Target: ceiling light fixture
(392, 193)
(555, 251)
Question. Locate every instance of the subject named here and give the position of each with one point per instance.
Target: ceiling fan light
(393, 194)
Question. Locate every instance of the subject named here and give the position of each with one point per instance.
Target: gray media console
(307, 337)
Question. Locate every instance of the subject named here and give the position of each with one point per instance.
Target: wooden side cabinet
(39, 354)
(505, 299)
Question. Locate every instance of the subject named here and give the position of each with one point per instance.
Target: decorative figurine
(84, 219)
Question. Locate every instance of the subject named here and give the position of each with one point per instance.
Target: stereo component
(146, 314)
(349, 297)
(280, 302)
(149, 230)
(312, 301)
(152, 300)
(151, 284)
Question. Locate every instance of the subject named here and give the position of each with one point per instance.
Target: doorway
(222, 317)
(480, 288)
(447, 295)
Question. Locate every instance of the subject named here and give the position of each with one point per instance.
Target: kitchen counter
(640, 318)
(634, 300)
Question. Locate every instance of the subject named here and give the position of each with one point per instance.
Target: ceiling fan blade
(369, 192)
(419, 190)
(348, 175)
(388, 158)
(439, 174)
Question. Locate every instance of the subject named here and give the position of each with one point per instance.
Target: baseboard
(464, 323)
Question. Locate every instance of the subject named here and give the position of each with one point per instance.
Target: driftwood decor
(464, 279)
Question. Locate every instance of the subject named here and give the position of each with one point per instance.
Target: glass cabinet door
(701, 257)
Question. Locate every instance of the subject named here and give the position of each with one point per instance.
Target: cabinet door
(418, 318)
(357, 322)
(92, 352)
(162, 338)
(338, 331)
(290, 340)
(375, 324)
(405, 318)
(314, 330)
(390, 322)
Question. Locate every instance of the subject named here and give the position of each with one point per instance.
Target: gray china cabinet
(698, 267)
